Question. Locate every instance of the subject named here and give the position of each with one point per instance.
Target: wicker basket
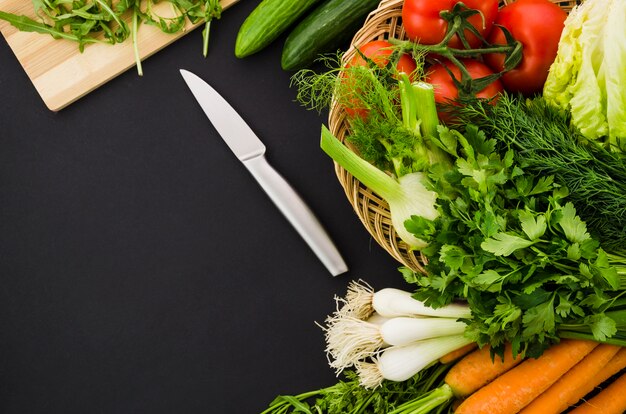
(373, 211)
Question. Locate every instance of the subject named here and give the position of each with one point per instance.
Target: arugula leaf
(97, 21)
(27, 24)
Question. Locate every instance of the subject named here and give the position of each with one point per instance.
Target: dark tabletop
(142, 269)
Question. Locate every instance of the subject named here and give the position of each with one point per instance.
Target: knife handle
(297, 213)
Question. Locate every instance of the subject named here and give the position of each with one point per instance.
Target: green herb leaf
(574, 228)
(533, 226)
(452, 256)
(543, 185)
(602, 326)
(490, 280)
(503, 244)
(539, 320)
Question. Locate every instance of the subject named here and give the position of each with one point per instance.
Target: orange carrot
(611, 400)
(516, 388)
(564, 392)
(458, 353)
(478, 368)
(615, 365)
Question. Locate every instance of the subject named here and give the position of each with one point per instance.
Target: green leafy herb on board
(96, 21)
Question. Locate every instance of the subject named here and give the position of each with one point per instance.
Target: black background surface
(142, 269)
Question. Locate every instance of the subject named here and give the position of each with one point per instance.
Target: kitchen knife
(251, 152)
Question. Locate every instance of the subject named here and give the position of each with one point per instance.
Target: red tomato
(379, 51)
(537, 24)
(446, 91)
(423, 24)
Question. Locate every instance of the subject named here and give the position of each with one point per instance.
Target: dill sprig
(370, 95)
(545, 143)
(315, 89)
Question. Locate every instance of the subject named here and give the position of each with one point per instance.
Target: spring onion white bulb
(377, 319)
(399, 363)
(363, 301)
(403, 330)
(350, 340)
(392, 302)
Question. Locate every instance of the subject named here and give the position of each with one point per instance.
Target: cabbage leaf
(588, 76)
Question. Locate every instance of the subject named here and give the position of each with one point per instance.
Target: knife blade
(249, 149)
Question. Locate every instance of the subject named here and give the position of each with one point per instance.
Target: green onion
(399, 363)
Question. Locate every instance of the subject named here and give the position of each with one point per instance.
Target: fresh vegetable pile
(496, 138)
(93, 21)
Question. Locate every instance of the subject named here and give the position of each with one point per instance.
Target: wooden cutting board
(61, 74)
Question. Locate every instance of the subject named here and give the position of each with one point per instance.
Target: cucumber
(325, 29)
(268, 21)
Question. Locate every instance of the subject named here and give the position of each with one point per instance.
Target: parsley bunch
(511, 245)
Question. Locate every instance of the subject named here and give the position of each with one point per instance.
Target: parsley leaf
(602, 326)
(533, 226)
(503, 244)
(574, 228)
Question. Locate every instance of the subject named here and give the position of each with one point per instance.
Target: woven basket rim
(371, 209)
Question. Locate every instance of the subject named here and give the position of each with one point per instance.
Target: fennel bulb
(407, 196)
(397, 144)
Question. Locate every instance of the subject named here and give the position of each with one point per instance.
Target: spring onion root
(350, 340)
(366, 322)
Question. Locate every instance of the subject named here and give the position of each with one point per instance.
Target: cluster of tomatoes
(535, 24)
